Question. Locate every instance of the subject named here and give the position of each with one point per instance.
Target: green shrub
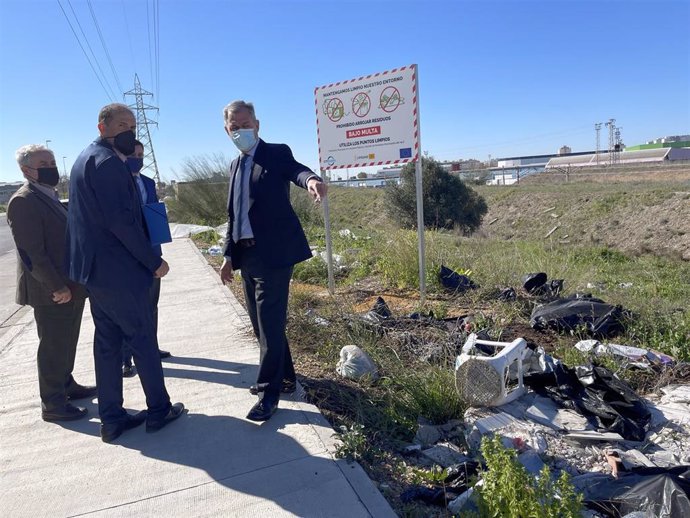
(448, 202)
(509, 491)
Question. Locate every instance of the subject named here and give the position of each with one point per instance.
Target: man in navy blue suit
(265, 240)
(147, 191)
(109, 252)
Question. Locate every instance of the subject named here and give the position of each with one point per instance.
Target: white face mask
(244, 139)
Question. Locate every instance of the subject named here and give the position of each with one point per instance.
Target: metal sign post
(329, 242)
(420, 200)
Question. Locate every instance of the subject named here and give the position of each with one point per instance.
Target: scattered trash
(356, 364)
(532, 281)
(595, 392)
(319, 321)
(660, 492)
(636, 356)
(580, 313)
(215, 251)
(346, 233)
(455, 282)
(490, 373)
(380, 310)
(536, 284)
(507, 295)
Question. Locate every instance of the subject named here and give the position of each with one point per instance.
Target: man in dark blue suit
(109, 252)
(147, 191)
(265, 240)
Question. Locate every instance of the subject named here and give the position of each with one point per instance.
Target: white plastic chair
(490, 380)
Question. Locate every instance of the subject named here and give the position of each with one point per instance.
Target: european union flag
(406, 152)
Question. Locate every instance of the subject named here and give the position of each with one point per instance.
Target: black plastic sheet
(661, 492)
(576, 313)
(455, 282)
(597, 394)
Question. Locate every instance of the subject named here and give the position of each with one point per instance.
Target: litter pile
(626, 453)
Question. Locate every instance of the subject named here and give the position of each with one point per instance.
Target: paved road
(6, 242)
(9, 311)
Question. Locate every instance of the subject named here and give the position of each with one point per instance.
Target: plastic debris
(573, 314)
(356, 364)
(455, 282)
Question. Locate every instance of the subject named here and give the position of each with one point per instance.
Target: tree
(362, 175)
(202, 190)
(448, 202)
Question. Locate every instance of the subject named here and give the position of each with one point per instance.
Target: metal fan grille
(478, 383)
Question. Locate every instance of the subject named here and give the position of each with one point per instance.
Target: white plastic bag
(356, 364)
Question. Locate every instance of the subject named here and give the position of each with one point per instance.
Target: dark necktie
(239, 199)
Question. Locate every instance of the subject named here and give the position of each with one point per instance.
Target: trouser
(124, 318)
(154, 295)
(58, 328)
(266, 293)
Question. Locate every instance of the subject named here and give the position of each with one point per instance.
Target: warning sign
(379, 133)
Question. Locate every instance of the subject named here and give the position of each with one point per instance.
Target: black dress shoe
(111, 431)
(81, 391)
(175, 411)
(287, 387)
(164, 354)
(69, 412)
(263, 409)
(128, 371)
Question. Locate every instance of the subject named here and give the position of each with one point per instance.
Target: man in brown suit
(38, 222)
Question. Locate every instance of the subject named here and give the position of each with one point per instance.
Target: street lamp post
(64, 167)
(47, 142)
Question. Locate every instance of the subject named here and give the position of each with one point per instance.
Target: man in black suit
(265, 240)
(108, 250)
(147, 191)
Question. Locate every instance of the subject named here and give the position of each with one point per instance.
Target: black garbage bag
(574, 313)
(453, 281)
(549, 289)
(662, 492)
(378, 313)
(596, 393)
(507, 295)
(533, 281)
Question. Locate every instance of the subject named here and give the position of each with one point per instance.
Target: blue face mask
(244, 139)
(135, 163)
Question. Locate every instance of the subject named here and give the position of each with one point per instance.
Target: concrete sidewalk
(211, 462)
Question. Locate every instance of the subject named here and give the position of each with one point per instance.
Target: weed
(509, 491)
(353, 443)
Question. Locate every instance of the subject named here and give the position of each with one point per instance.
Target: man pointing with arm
(265, 240)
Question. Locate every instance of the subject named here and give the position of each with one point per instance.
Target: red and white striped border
(415, 113)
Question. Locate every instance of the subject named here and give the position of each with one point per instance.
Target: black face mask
(124, 142)
(48, 176)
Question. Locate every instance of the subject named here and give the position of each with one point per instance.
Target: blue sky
(502, 78)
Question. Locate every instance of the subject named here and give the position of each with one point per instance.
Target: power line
(84, 51)
(93, 54)
(129, 35)
(158, 59)
(105, 48)
(148, 26)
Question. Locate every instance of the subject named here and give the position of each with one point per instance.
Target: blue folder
(157, 223)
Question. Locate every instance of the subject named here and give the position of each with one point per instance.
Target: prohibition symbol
(390, 99)
(335, 109)
(361, 104)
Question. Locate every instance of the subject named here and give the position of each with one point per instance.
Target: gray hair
(236, 106)
(24, 153)
(110, 110)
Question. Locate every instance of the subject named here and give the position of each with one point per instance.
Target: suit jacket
(280, 240)
(107, 245)
(38, 226)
